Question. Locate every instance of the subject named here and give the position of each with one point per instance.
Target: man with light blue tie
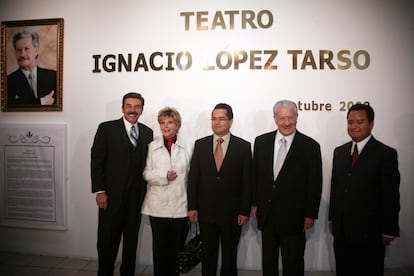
(118, 158)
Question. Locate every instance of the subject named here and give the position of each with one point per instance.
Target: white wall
(384, 29)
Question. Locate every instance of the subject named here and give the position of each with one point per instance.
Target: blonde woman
(166, 200)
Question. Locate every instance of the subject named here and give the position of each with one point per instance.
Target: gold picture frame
(28, 44)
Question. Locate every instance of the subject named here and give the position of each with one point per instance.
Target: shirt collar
(288, 138)
(361, 144)
(128, 125)
(226, 138)
(26, 72)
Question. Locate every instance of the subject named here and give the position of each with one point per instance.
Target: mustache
(22, 58)
(132, 113)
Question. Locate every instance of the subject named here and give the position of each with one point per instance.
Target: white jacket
(167, 199)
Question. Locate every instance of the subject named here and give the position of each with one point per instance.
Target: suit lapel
(270, 153)
(26, 90)
(124, 133)
(265, 155)
(294, 151)
(366, 151)
(229, 152)
(208, 148)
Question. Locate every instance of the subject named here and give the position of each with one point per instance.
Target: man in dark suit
(365, 198)
(118, 158)
(219, 192)
(30, 84)
(287, 192)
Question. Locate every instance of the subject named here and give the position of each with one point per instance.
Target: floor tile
(61, 272)
(194, 272)
(319, 273)
(250, 273)
(45, 261)
(16, 264)
(70, 263)
(86, 273)
(91, 266)
(15, 258)
(148, 270)
(33, 271)
(140, 268)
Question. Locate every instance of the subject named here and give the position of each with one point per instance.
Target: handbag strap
(193, 234)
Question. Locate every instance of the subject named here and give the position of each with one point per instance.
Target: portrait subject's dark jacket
(19, 91)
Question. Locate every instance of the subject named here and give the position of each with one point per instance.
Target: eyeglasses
(220, 119)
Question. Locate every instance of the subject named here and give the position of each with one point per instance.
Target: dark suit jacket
(20, 92)
(364, 199)
(220, 196)
(296, 193)
(115, 165)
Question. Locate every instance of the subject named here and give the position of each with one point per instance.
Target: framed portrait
(32, 65)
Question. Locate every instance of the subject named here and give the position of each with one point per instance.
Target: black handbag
(190, 256)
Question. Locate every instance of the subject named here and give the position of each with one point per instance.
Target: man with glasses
(219, 192)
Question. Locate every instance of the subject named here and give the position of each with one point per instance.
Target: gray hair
(26, 33)
(284, 104)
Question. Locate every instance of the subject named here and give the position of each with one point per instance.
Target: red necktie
(355, 155)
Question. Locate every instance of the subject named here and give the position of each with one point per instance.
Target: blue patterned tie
(133, 136)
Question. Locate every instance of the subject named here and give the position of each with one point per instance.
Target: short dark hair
(365, 107)
(133, 95)
(229, 110)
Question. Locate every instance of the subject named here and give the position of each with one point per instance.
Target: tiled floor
(14, 264)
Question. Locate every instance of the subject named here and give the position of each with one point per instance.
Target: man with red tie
(364, 202)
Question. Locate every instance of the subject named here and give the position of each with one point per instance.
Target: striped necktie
(133, 136)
